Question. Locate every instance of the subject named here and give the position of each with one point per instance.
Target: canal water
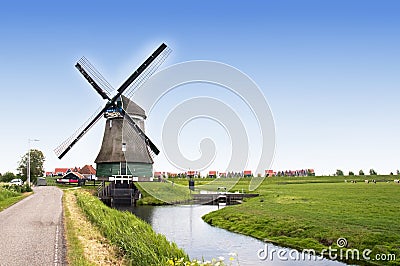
(184, 226)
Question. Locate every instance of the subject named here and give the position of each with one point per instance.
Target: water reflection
(184, 226)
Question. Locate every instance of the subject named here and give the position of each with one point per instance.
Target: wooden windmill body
(121, 154)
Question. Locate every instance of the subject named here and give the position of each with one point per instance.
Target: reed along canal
(183, 225)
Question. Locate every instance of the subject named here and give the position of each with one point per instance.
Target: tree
(361, 172)
(372, 172)
(339, 172)
(37, 161)
(7, 177)
(398, 172)
(351, 173)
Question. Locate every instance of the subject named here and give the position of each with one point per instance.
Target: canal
(184, 226)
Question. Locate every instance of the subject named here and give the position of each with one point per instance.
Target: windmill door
(123, 168)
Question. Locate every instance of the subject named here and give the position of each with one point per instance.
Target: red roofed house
(88, 172)
(71, 178)
(158, 174)
(247, 173)
(311, 172)
(61, 171)
(212, 173)
(190, 173)
(269, 173)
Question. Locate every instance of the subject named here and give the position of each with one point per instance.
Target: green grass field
(313, 212)
(159, 193)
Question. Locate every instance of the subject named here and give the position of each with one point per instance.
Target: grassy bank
(134, 237)
(313, 213)
(159, 193)
(9, 197)
(85, 244)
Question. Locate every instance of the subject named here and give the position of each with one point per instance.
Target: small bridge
(228, 198)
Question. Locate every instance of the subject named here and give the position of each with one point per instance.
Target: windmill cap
(132, 108)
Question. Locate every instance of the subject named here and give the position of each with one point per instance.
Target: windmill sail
(140, 151)
(137, 74)
(64, 147)
(140, 132)
(98, 82)
(142, 78)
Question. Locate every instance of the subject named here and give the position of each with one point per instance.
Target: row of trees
(361, 172)
(36, 166)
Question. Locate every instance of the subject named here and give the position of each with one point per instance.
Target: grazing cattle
(366, 181)
(397, 181)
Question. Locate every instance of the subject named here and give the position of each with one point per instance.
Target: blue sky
(329, 70)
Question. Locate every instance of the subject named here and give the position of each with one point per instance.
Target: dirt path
(31, 230)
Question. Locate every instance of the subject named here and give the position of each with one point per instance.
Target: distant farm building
(71, 178)
(158, 174)
(88, 172)
(247, 173)
(269, 173)
(212, 173)
(61, 171)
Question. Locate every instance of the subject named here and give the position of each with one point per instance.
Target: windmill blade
(143, 77)
(141, 69)
(64, 147)
(90, 73)
(141, 149)
(139, 131)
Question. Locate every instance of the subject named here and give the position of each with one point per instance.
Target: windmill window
(110, 123)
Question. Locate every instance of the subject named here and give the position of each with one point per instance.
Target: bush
(7, 177)
(372, 172)
(339, 172)
(18, 189)
(7, 193)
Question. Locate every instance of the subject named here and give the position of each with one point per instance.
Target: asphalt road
(31, 231)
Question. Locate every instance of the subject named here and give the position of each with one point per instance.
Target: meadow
(160, 193)
(313, 212)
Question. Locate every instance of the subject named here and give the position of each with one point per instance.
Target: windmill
(126, 151)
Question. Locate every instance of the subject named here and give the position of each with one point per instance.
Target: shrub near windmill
(126, 153)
